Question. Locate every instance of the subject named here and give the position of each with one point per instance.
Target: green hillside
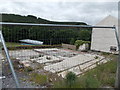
(33, 19)
(54, 35)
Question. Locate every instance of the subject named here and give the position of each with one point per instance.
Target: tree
(85, 35)
(72, 41)
(57, 34)
(70, 79)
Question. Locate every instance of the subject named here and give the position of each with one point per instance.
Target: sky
(90, 12)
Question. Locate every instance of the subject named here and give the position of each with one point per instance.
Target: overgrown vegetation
(16, 46)
(102, 75)
(38, 78)
(105, 53)
(28, 69)
(8, 44)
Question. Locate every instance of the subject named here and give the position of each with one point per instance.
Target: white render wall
(104, 38)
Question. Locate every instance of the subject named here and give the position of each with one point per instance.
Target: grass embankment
(102, 75)
(10, 44)
(16, 46)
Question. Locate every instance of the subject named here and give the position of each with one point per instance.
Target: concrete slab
(69, 63)
(23, 54)
(57, 52)
(44, 59)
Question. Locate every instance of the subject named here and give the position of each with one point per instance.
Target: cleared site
(59, 61)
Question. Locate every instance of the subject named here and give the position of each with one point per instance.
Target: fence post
(9, 60)
(117, 82)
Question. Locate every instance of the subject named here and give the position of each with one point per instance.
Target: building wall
(104, 38)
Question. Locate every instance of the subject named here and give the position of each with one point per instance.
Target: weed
(28, 69)
(96, 57)
(38, 78)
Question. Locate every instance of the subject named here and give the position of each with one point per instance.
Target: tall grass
(102, 75)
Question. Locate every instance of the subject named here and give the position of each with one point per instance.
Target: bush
(32, 47)
(80, 42)
(70, 79)
(96, 57)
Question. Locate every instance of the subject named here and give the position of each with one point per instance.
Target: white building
(104, 39)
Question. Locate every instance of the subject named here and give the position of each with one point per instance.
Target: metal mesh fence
(39, 50)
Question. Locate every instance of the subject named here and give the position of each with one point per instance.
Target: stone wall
(68, 46)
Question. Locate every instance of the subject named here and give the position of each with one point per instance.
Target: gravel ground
(8, 81)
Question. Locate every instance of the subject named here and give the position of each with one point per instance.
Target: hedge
(33, 47)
